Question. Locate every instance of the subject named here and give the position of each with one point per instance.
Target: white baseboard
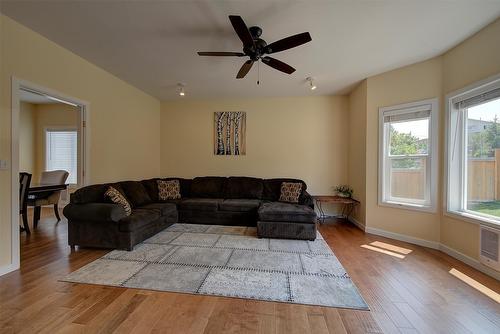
(402, 237)
(357, 223)
(470, 261)
(430, 244)
(7, 269)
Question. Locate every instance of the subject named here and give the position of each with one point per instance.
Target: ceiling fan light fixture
(312, 86)
(255, 48)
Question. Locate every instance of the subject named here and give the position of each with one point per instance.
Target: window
(473, 158)
(62, 152)
(407, 159)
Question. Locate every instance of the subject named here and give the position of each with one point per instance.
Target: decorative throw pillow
(290, 192)
(170, 189)
(117, 197)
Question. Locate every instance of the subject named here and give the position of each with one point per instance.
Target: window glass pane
(483, 158)
(409, 137)
(62, 152)
(408, 178)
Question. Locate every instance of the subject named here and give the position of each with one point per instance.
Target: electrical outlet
(4, 165)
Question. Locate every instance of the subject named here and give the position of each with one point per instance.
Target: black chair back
(24, 185)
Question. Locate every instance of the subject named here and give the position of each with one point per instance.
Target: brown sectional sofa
(93, 221)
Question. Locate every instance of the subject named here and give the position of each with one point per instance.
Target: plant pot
(345, 195)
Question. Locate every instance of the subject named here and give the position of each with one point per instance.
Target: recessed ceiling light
(311, 83)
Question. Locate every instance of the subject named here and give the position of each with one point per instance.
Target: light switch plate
(4, 165)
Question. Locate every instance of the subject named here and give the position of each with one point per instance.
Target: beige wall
(475, 59)
(302, 137)
(56, 115)
(411, 83)
(27, 126)
(123, 120)
(357, 149)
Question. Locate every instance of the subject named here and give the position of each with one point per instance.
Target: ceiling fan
(256, 48)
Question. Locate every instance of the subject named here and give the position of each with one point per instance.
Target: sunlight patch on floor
(383, 251)
(475, 284)
(390, 247)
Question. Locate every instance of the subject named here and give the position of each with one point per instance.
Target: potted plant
(344, 191)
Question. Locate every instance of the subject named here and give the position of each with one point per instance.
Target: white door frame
(83, 147)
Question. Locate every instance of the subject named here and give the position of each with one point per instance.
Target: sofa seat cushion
(200, 204)
(165, 209)
(286, 212)
(138, 219)
(240, 205)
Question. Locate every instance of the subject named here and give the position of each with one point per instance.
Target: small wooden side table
(347, 203)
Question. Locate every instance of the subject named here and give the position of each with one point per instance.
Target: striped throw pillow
(118, 198)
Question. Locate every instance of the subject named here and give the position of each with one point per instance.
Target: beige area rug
(228, 261)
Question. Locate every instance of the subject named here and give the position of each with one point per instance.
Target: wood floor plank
(414, 294)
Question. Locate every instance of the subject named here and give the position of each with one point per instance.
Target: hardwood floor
(414, 294)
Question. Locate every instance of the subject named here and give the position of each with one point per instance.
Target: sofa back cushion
(136, 193)
(208, 187)
(272, 189)
(90, 194)
(243, 187)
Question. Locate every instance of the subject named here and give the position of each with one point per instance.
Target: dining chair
(24, 185)
(52, 198)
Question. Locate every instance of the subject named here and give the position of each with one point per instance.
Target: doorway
(58, 141)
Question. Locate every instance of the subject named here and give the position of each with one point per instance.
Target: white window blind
(478, 99)
(62, 152)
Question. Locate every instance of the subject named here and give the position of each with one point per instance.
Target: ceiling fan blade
(278, 65)
(221, 54)
(242, 30)
(288, 43)
(244, 69)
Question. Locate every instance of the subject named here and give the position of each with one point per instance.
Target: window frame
(455, 199)
(429, 204)
(45, 154)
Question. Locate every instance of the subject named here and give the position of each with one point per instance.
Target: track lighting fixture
(181, 89)
(311, 83)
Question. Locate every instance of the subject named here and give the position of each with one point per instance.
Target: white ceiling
(153, 44)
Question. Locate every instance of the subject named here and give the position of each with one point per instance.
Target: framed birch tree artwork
(230, 133)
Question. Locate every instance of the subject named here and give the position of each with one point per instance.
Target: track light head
(181, 89)
(311, 83)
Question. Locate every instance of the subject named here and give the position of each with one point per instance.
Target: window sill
(408, 206)
(473, 219)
